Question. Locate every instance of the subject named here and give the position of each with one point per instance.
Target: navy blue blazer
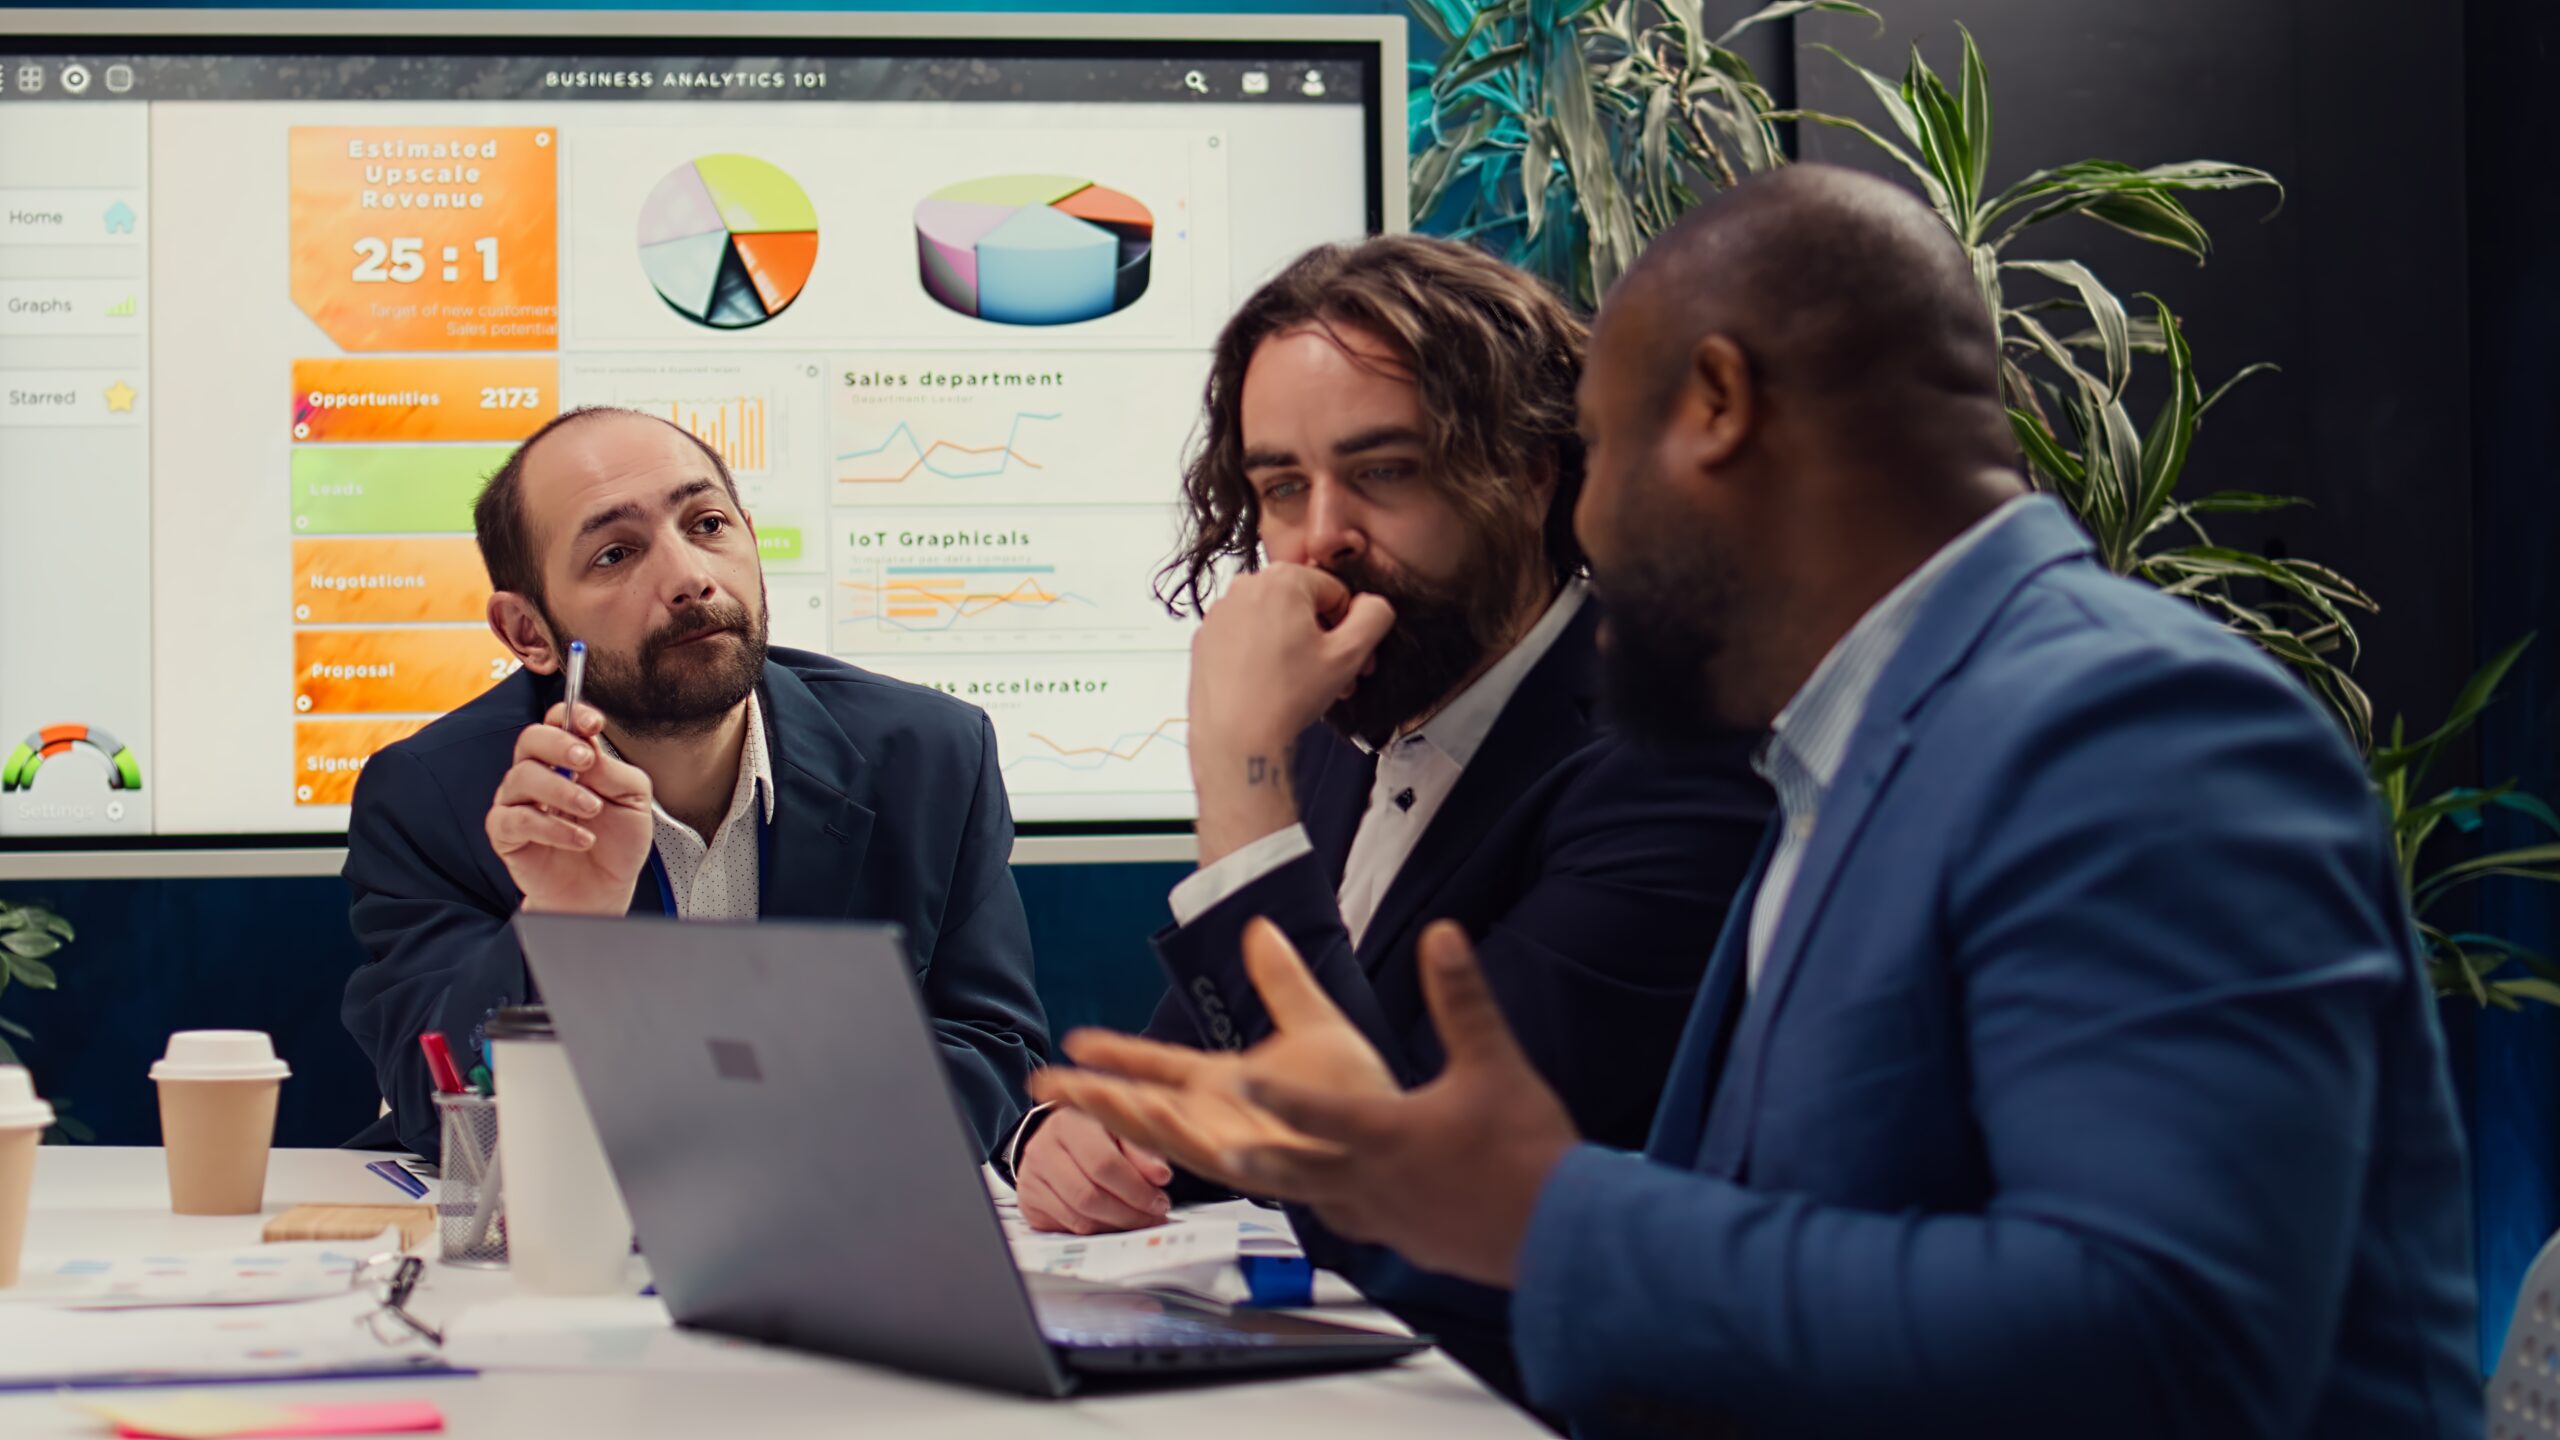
(889, 807)
(2091, 1085)
(1591, 876)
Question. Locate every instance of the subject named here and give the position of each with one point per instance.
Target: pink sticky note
(399, 1417)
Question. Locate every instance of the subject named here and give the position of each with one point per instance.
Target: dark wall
(274, 955)
(2355, 287)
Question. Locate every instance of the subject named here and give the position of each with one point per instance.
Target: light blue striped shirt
(1810, 738)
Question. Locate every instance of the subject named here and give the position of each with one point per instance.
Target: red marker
(440, 1063)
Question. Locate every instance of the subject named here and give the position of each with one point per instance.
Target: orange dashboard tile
(389, 580)
(484, 397)
(427, 236)
(329, 754)
(374, 672)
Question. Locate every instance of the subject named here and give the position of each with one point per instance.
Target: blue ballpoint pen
(569, 708)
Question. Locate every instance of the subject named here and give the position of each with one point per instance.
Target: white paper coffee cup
(218, 1091)
(23, 1119)
(567, 1230)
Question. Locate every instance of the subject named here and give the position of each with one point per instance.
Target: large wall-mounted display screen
(272, 308)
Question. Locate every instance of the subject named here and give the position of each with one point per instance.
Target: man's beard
(1441, 634)
(1670, 613)
(652, 699)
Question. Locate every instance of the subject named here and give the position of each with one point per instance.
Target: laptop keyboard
(1157, 1330)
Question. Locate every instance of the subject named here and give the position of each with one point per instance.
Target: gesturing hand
(572, 842)
(1446, 1175)
(1190, 1105)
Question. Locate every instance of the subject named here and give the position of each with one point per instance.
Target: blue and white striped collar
(1810, 738)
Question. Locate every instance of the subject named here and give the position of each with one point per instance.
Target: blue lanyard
(764, 865)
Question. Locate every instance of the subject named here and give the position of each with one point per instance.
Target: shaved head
(1791, 401)
(1844, 291)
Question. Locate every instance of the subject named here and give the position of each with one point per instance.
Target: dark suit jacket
(1592, 877)
(889, 807)
(2091, 1085)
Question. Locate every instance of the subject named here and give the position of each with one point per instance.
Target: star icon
(120, 396)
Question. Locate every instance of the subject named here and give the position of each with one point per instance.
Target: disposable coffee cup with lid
(23, 1119)
(220, 1055)
(218, 1093)
(20, 1109)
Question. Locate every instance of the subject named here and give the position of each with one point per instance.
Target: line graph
(1125, 749)
(898, 459)
(1075, 730)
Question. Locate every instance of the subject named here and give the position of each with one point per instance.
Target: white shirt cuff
(1022, 1131)
(1203, 889)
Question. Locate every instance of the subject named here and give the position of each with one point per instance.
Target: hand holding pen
(571, 823)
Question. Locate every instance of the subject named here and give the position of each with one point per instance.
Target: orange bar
(484, 397)
(359, 672)
(366, 580)
(328, 754)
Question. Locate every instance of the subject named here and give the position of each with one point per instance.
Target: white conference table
(109, 1201)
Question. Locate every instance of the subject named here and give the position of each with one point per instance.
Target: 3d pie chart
(728, 240)
(1034, 249)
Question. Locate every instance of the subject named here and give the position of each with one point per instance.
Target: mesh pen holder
(471, 1215)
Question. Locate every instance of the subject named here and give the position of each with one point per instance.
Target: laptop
(773, 1102)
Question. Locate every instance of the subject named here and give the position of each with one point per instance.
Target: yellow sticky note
(205, 1416)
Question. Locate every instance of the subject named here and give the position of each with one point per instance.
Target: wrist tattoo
(1261, 770)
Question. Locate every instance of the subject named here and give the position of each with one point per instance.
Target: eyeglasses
(392, 1279)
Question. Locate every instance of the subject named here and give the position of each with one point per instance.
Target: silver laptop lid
(775, 1107)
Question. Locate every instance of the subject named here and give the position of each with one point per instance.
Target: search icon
(1195, 82)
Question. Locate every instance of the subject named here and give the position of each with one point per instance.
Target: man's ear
(520, 627)
(1720, 401)
(1542, 493)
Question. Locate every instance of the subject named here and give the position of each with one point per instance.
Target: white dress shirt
(721, 878)
(1810, 738)
(1416, 772)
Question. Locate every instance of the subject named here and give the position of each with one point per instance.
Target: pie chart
(1034, 249)
(728, 240)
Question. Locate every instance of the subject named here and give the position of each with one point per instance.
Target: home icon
(119, 219)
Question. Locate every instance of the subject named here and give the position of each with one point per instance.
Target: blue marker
(577, 682)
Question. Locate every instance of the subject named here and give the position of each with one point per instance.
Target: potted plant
(29, 933)
(1564, 135)
(2489, 969)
